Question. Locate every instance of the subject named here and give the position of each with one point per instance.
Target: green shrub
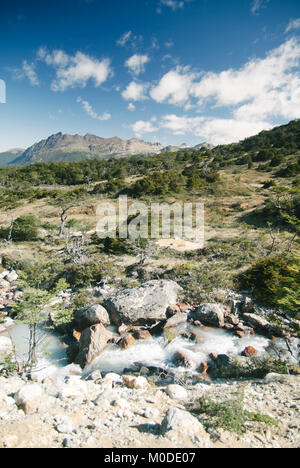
(83, 275)
(275, 282)
(24, 229)
(229, 415)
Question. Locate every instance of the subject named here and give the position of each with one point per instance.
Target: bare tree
(63, 218)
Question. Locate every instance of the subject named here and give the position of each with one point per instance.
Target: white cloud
(261, 88)
(130, 40)
(222, 131)
(57, 58)
(181, 125)
(155, 43)
(293, 25)
(213, 130)
(253, 96)
(141, 127)
(124, 39)
(135, 92)
(257, 5)
(169, 44)
(30, 73)
(131, 107)
(136, 63)
(173, 4)
(75, 71)
(174, 87)
(26, 71)
(89, 110)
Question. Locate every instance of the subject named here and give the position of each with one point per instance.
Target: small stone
(151, 413)
(176, 392)
(143, 335)
(138, 383)
(126, 341)
(65, 427)
(249, 351)
(95, 376)
(203, 367)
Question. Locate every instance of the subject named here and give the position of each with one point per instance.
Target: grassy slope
(231, 243)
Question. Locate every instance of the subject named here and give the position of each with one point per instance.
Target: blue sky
(171, 71)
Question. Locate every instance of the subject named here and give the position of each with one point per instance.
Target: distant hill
(67, 148)
(8, 156)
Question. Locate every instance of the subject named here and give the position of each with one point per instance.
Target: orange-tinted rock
(183, 307)
(198, 324)
(135, 382)
(126, 341)
(180, 359)
(203, 367)
(239, 333)
(249, 351)
(76, 335)
(122, 329)
(93, 341)
(143, 335)
(172, 310)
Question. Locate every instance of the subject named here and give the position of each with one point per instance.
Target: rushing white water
(156, 352)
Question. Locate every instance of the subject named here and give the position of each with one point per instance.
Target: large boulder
(175, 320)
(91, 315)
(93, 341)
(146, 304)
(28, 397)
(184, 422)
(211, 314)
(262, 325)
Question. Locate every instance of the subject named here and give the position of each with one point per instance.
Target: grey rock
(94, 376)
(11, 276)
(151, 413)
(28, 397)
(211, 314)
(143, 305)
(180, 420)
(91, 315)
(281, 378)
(262, 325)
(247, 305)
(176, 392)
(64, 425)
(175, 320)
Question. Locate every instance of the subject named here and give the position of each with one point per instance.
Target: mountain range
(64, 147)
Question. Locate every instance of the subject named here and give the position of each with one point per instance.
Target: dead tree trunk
(9, 237)
(63, 219)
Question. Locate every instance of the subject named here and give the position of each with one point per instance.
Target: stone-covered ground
(132, 412)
